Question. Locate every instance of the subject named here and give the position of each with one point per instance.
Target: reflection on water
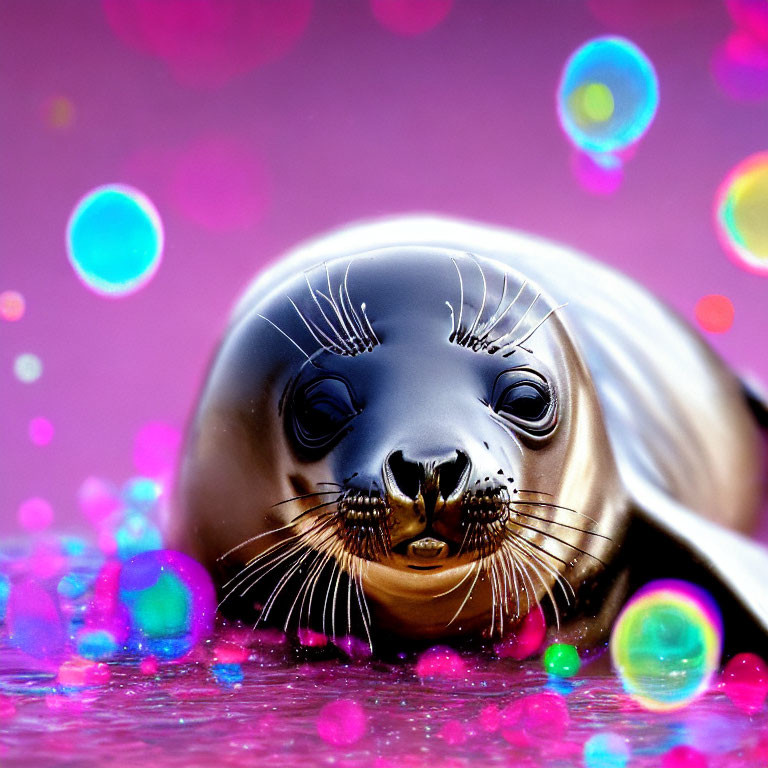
(244, 697)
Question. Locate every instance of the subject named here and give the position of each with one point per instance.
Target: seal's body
(427, 427)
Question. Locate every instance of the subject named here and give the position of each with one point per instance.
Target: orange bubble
(11, 306)
(59, 113)
(714, 313)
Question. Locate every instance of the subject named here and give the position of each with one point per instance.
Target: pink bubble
(104, 608)
(453, 733)
(312, 639)
(11, 306)
(410, 17)
(342, 722)
(490, 718)
(598, 175)
(35, 514)
(441, 661)
(206, 43)
(155, 449)
(525, 639)
(751, 16)
(98, 499)
(740, 67)
(220, 184)
(745, 682)
(683, 756)
(230, 653)
(40, 431)
(46, 560)
(75, 673)
(149, 666)
(537, 716)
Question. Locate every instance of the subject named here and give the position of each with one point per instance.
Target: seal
(428, 428)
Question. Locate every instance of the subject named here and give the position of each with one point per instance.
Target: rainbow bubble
(608, 95)
(28, 368)
(170, 601)
(115, 240)
(666, 644)
(741, 214)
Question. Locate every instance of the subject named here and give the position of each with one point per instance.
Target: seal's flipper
(679, 543)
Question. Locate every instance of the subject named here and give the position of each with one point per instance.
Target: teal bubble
(115, 240)
(606, 750)
(141, 493)
(608, 95)
(73, 585)
(137, 535)
(5, 591)
(96, 645)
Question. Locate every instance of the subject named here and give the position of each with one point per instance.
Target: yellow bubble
(59, 112)
(592, 103)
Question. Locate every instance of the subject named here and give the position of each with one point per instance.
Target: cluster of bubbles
(607, 98)
(115, 240)
(741, 213)
(666, 644)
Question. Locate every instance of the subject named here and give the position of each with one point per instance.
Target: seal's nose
(445, 476)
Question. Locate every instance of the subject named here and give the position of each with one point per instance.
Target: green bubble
(561, 660)
(164, 609)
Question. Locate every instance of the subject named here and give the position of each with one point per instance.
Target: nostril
(406, 474)
(451, 474)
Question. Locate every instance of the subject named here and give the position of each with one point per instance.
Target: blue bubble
(74, 546)
(5, 590)
(73, 585)
(608, 95)
(141, 494)
(137, 535)
(606, 750)
(228, 674)
(97, 645)
(115, 240)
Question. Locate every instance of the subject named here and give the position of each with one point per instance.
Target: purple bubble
(34, 622)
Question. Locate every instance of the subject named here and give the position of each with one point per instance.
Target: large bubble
(741, 213)
(666, 644)
(608, 95)
(115, 240)
(170, 600)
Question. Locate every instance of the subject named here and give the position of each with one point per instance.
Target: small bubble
(27, 368)
(12, 306)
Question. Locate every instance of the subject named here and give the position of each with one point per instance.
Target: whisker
(554, 506)
(477, 569)
(280, 330)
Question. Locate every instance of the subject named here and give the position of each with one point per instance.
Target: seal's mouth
(425, 553)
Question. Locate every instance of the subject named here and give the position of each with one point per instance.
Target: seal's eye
(321, 410)
(526, 401)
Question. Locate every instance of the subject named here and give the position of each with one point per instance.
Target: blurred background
(241, 127)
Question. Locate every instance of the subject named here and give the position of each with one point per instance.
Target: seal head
(405, 441)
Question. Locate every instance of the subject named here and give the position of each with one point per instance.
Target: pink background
(319, 115)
